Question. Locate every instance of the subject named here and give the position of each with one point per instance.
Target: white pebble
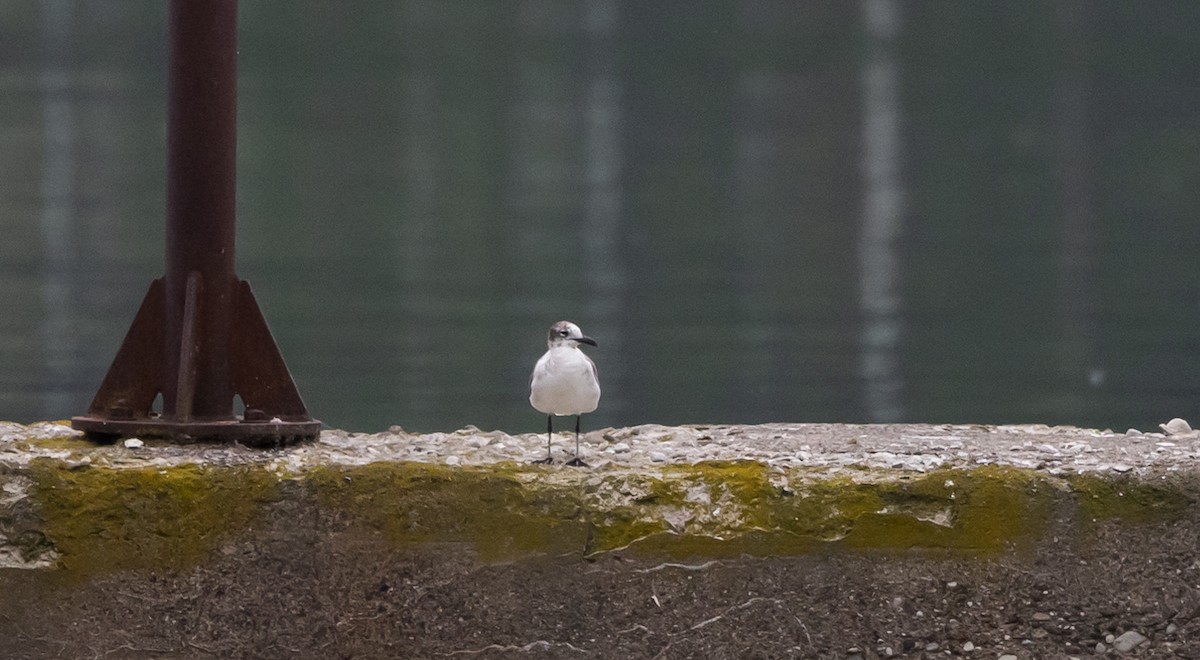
(1176, 426)
(453, 460)
(1129, 641)
(134, 443)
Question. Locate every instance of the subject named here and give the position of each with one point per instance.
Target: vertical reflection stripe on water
(883, 215)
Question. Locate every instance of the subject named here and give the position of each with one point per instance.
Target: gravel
(832, 447)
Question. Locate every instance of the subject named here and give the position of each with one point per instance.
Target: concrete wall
(749, 541)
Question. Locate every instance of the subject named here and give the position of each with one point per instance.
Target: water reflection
(883, 215)
(601, 255)
(765, 210)
(1079, 361)
(56, 217)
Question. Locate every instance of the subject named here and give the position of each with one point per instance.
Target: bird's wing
(539, 366)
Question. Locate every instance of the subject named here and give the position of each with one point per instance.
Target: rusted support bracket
(275, 413)
(199, 338)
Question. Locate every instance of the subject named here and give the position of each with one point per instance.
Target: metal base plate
(256, 433)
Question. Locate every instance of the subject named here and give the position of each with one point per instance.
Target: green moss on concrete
(984, 510)
(101, 518)
(623, 509)
(76, 444)
(681, 510)
(499, 509)
(1128, 499)
(704, 509)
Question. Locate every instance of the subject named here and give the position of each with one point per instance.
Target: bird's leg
(577, 462)
(549, 432)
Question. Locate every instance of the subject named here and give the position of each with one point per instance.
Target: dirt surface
(296, 591)
(298, 576)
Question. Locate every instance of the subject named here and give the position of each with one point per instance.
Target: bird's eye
(564, 332)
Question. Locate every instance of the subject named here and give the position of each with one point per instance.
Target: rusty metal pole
(201, 196)
(199, 337)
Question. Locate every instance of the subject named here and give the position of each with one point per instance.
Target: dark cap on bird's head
(565, 331)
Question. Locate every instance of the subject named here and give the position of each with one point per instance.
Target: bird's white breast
(564, 383)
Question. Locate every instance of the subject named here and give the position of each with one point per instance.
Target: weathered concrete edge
(75, 509)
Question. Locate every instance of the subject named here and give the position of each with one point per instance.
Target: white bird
(564, 382)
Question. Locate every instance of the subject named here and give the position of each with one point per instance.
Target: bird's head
(565, 333)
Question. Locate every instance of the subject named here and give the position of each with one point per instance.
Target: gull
(564, 382)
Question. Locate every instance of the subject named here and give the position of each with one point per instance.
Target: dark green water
(763, 210)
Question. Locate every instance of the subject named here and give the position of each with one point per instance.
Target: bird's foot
(544, 461)
(576, 462)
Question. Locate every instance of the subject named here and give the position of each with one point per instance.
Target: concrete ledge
(335, 547)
